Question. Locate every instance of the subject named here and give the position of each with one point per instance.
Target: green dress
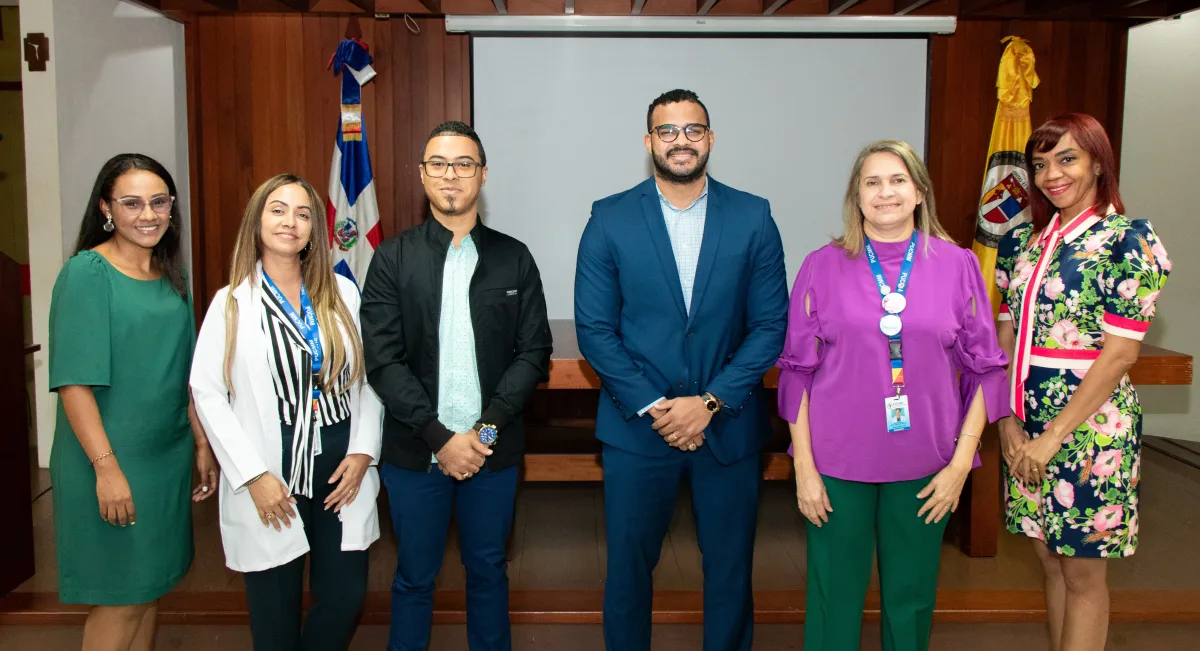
(131, 341)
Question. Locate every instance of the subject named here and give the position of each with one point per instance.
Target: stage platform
(558, 559)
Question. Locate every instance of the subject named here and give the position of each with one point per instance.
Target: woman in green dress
(122, 332)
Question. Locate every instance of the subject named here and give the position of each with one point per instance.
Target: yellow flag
(1006, 184)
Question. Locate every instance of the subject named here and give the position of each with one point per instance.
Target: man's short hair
(456, 128)
(671, 97)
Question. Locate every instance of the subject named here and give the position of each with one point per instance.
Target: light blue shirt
(459, 400)
(685, 227)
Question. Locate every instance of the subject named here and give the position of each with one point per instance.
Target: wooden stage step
(586, 467)
(584, 607)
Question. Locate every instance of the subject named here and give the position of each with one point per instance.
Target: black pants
(337, 579)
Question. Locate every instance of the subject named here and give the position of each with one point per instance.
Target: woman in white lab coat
(279, 385)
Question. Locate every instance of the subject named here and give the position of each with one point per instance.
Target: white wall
(1159, 159)
(115, 83)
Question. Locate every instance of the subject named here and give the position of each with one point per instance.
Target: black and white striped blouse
(291, 371)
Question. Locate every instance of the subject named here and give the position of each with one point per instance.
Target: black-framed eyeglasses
(669, 132)
(133, 206)
(463, 169)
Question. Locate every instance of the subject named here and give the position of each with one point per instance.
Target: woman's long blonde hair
(316, 270)
(852, 238)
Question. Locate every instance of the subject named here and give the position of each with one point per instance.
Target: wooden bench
(563, 448)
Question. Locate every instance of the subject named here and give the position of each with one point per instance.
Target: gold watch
(711, 403)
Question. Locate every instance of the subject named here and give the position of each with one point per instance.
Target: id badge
(315, 429)
(897, 414)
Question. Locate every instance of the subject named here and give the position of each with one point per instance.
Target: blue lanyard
(307, 326)
(905, 267)
(895, 352)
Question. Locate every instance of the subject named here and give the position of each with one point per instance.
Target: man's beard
(452, 206)
(664, 170)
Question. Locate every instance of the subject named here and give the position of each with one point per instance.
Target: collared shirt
(459, 398)
(686, 229)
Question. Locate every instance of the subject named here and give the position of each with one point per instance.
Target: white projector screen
(562, 120)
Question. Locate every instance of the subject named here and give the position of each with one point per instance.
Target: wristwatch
(711, 403)
(488, 434)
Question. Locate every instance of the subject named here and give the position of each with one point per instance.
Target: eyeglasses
(133, 206)
(463, 169)
(669, 132)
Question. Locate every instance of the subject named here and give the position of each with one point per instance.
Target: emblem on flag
(1005, 197)
(345, 233)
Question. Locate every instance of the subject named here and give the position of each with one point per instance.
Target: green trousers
(839, 566)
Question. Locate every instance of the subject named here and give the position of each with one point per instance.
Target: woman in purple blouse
(890, 371)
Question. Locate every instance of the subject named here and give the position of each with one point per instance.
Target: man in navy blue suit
(681, 307)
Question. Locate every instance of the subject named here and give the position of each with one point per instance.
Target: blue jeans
(421, 504)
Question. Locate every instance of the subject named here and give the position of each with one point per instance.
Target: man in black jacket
(456, 340)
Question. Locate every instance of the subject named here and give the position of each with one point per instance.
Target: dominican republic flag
(352, 212)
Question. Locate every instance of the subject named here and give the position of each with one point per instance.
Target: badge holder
(897, 407)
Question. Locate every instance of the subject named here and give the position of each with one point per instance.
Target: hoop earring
(108, 225)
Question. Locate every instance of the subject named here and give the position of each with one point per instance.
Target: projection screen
(562, 120)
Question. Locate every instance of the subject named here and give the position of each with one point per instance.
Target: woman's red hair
(1090, 137)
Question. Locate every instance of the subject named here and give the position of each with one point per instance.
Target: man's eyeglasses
(463, 169)
(669, 132)
(133, 206)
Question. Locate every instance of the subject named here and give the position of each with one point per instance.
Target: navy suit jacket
(636, 334)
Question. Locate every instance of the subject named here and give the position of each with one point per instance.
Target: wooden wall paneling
(419, 121)
(869, 8)
(465, 77)
(242, 174)
(978, 104)
(260, 91)
(457, 65)
(195, 210)
(1116, 97)
(322, 85)
(216, 108)
(957, 136)
(293, 95)
(315, 85)
(433, 44)
(404, 171)
(379, 140)
(959, 129)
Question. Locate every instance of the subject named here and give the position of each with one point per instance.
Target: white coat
(244, 431)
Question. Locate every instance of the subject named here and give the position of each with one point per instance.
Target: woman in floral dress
(1079, 286)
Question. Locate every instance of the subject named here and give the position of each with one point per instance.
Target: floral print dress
(1102, 278)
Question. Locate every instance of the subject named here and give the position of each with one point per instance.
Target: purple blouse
(836, 352)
